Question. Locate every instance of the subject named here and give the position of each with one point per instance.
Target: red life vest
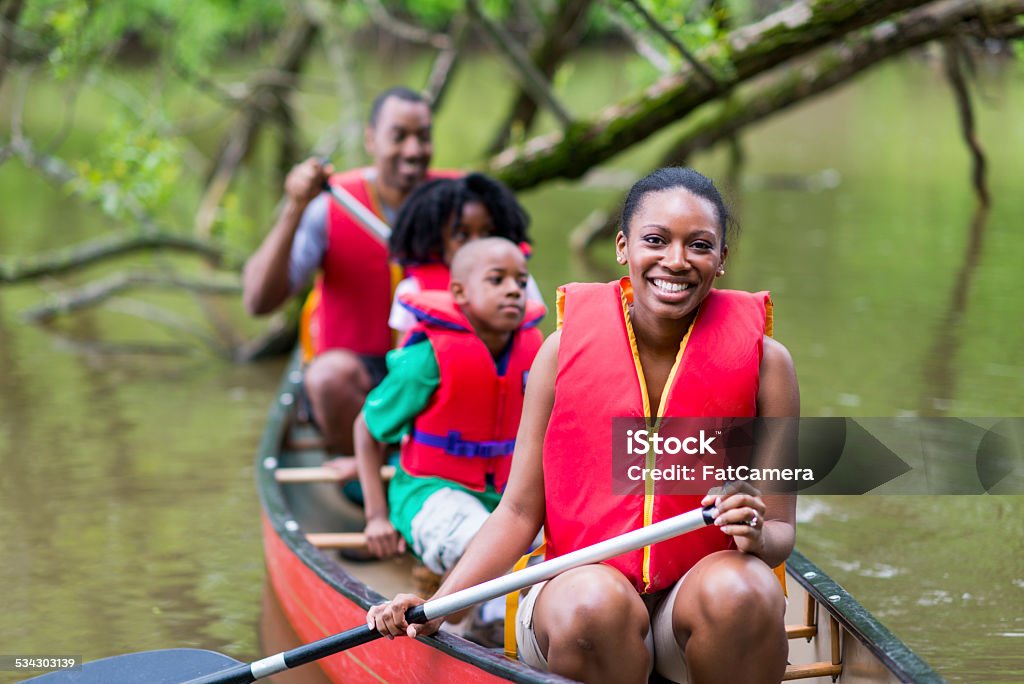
(467, 432)
(433, 276)
(716, 375)
(358, 280)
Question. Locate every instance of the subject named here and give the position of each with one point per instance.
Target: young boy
(453, 397)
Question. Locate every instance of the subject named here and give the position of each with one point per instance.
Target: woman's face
(674, 252)
(475, 222)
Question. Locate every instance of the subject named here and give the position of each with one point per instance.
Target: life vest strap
(454, 445)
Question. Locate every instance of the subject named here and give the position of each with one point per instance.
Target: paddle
(364, 216)
(242, 673)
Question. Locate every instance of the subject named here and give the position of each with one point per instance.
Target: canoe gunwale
(859, 622)
(277, 512)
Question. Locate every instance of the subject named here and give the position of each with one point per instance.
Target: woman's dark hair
(417, 236)
(675, 177)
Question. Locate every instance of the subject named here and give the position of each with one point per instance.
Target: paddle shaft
(460, 600)
(359, 212)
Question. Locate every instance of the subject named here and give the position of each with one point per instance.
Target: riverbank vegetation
(171, 179)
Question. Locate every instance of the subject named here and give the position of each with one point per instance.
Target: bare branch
(640, 43)
(78, 257)
(951, 53)
(101, 290)
(169, 320)
(563, 31)
(292, 50)
(348, 132)
(445, 63)
(57, 171)
(97, 348)
(667, 36)
(413, 34)
(523, 69)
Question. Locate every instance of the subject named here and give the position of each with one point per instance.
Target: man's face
(400, 144)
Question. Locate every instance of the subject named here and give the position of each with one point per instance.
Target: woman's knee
(731, 589)
(590, 608)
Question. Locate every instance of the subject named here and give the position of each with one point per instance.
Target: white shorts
(443, 528)
(666, 656)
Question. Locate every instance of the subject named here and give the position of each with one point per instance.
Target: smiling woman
(658, 343)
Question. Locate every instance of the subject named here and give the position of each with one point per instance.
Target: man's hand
(306, 180)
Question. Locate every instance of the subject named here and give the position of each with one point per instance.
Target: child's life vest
(467, 432)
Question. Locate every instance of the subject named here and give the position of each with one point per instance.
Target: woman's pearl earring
(721, 271)
(621, 259)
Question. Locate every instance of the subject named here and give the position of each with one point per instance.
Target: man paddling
(315, 232)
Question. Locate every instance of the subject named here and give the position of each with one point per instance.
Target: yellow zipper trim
(651, 460)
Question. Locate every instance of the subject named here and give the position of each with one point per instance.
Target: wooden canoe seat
(809, 630)
(323, 474)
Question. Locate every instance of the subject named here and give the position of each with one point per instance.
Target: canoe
(832, 637)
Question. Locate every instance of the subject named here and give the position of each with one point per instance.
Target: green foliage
(76, 34)
(135, 164)
(695, 26)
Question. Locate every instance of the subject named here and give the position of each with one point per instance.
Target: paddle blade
(169, 666)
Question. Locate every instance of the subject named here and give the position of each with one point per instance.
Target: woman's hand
(382, 539)
(389, 618)
(741, 514)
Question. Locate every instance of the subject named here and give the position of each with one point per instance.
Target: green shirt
(390, 409)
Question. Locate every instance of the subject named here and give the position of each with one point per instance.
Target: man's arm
(265, 280)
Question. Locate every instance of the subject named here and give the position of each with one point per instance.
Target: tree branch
(167, 319)
(348, 132)
(413, 34)
(445, 63)
(525, 72)
(667, 36)
(752, 50)
(832, 66)
(563, 32)
(101, 290)
(266, 100)
(60, 173)
(75, 258)
(952, 55)
(640, 44)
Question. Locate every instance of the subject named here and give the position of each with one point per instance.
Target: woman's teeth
(666, 286)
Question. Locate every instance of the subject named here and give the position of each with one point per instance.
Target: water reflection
(940, 368)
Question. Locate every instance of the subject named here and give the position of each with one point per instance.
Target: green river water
(128, 514)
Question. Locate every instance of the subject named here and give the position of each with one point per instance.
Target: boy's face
(493, 293)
